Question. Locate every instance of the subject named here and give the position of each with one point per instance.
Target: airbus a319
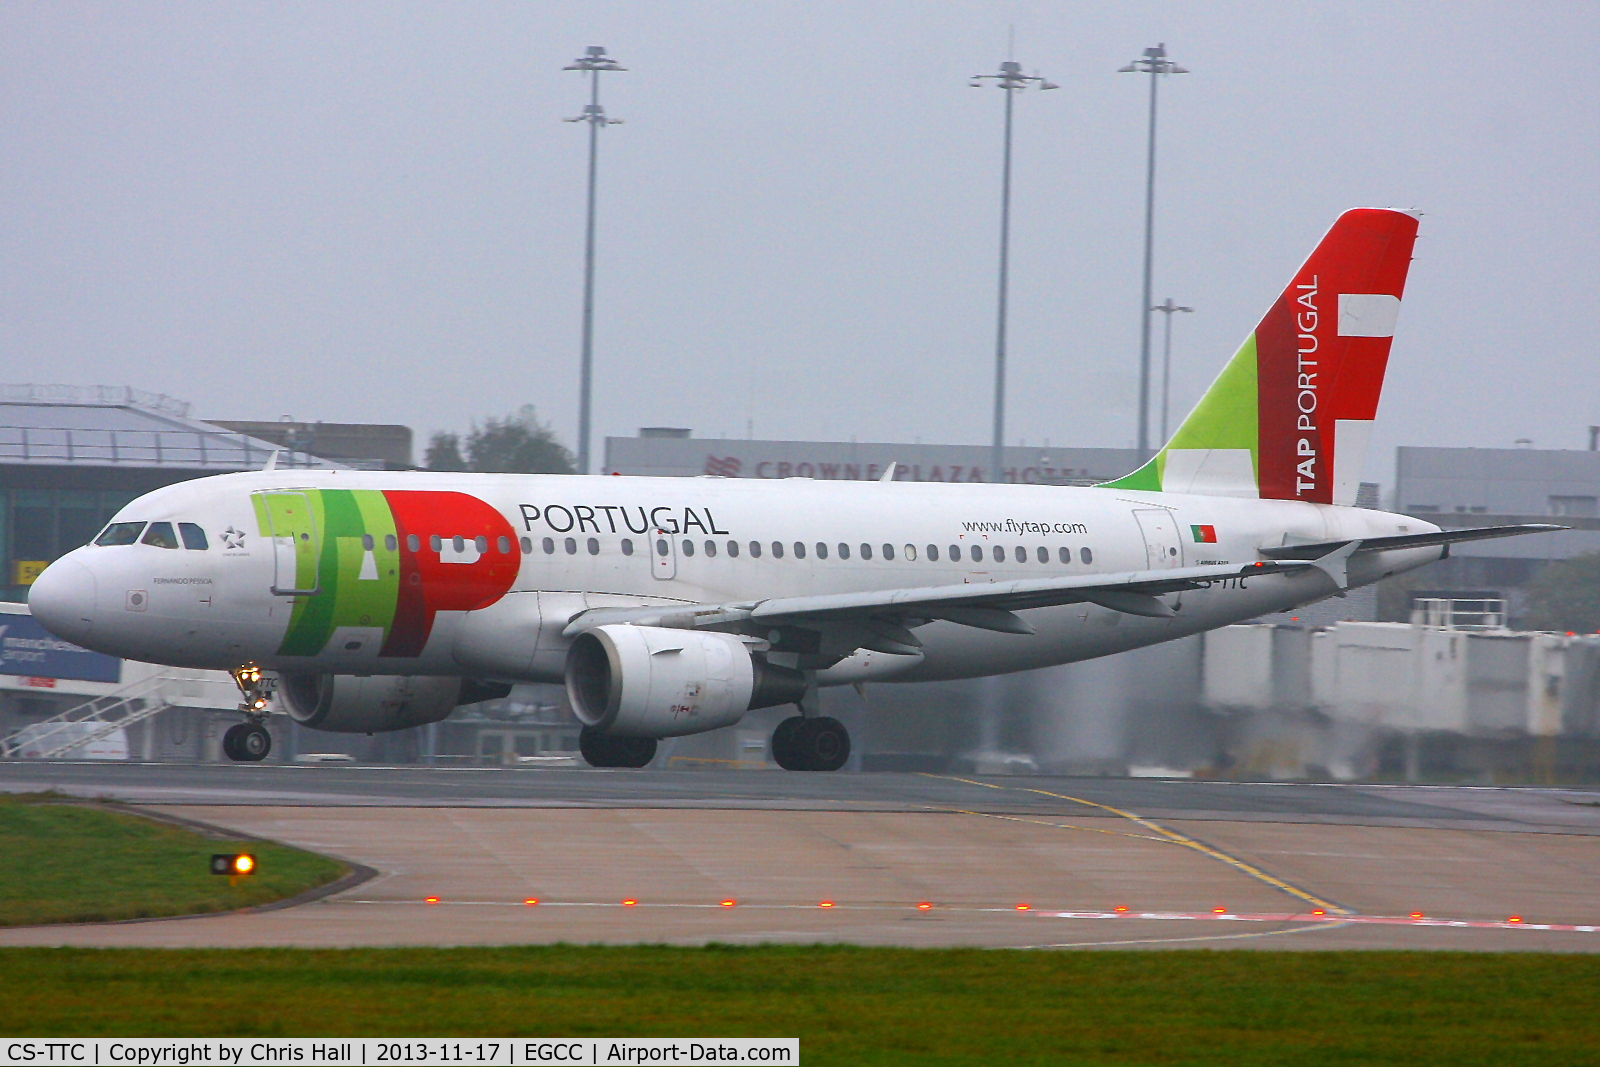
(376, 601)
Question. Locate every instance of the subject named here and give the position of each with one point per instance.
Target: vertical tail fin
(1287, 419)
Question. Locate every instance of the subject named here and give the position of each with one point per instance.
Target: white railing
(98, 395)
(73, 731)
(145, 448)
(1445, 614)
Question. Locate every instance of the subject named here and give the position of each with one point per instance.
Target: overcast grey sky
(372, 212)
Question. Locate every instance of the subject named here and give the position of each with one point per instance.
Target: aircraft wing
(1319, 549)
(985, 605)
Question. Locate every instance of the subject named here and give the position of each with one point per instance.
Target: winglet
(888, 474)
(272, 461)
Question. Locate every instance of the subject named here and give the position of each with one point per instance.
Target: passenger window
(160, 535)
(572, 546)
(933, 553)
(458, 543)
(777, 550)
(413, 543)
(711, 548)
(436, 543)
(526, 544)
(662, 548)
(594, 546)
(910, 553)
(999, 554)
(1021, 554)
(977, 553)
(549, 546)
(733, 549)
(367, 543)
(844, 550)
(194, 538)
(955, 553)
(1043, 554)
(866, 551)
(503, 543)
(1085, 555)
(1065, 554)
(755, 549)
(481, 544)
(799, 550)
(688, 547)
(888, 552)
(627, 546)
(120, 533)
(391, 543)
(822, 550)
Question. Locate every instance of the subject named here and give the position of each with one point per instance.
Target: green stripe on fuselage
(346, 598)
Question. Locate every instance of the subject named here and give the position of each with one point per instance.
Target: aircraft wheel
(230, 742)
(823, 743)
(253, 743)
(604, 750)
(785, 749)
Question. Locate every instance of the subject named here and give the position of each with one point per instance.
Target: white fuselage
(585, 542)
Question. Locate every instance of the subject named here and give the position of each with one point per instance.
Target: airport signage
(28, 649)
(384, 1052)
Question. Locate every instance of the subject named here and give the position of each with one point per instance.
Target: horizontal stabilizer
(1320, 549)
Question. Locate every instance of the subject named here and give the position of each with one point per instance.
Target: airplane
(367, 601)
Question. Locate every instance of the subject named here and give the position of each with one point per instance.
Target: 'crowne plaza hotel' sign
(683, 456)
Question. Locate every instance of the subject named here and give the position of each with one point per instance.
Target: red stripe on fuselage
(429, 585)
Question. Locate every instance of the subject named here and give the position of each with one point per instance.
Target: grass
(62, 862)
(849, 1005)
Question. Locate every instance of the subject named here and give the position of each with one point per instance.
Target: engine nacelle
(651, 681)
(351, 704)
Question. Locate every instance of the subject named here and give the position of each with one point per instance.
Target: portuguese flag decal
(1204, 535)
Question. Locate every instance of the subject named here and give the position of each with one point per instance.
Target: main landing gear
(810, 744)
(249, 741)
(605, 750)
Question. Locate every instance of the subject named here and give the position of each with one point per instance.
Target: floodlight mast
(593, 62)
(1168, 307)
(1153, 63)
(1012, 80)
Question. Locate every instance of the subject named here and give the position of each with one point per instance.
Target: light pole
(593, 62)
(1169, 306)
(1012, 80)
(1154, 63)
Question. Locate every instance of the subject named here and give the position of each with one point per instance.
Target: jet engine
(350, 704)
(651, 681)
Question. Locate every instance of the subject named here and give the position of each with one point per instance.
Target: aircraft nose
(62, 599)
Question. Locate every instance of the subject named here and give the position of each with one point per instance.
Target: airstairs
(79, 727)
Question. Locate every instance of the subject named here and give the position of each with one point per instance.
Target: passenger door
(1163, 548)
(291, 525)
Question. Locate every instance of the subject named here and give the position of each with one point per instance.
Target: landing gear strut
(249, 741)
(810, 744)
(607, 750)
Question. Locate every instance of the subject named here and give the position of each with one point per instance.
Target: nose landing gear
(249, 741)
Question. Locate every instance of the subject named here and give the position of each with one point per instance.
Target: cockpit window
(120, 533)
(160, 535)
(193, 537)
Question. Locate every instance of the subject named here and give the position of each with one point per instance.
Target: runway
(743, 857)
